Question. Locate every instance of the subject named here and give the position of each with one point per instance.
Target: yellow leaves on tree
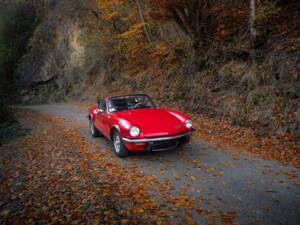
(107, 4)
(130, 30)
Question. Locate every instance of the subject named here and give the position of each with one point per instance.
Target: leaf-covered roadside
(44, 181)
(283, 147)
(52, 176)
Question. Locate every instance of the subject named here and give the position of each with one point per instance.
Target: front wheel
(118, 145)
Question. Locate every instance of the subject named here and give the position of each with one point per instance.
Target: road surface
(254, 190)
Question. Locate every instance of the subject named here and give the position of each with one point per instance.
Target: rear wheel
(93, 130)
(118, 145)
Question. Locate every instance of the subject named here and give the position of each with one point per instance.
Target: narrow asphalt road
(254, 190)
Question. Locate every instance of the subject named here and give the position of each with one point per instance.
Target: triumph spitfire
(134, 123)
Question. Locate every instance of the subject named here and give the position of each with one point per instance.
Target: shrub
(4, 113)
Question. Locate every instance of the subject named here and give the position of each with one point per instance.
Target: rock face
(35, 70)
(52, 57)
(59, 57)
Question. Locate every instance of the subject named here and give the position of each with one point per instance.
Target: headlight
(188, 124)
(134, 131)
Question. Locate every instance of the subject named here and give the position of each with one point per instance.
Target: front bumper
(157, 143)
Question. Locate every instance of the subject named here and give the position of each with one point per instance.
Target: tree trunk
(252, 19)
(143, 21)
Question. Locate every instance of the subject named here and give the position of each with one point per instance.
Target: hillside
(200, 56)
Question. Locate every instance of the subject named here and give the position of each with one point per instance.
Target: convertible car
(134, 123)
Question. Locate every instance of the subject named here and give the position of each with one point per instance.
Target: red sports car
(134, 123)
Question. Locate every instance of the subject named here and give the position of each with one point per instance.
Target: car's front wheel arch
(119, 148)
(112, 130)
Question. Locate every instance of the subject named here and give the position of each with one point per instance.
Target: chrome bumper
(157, 138)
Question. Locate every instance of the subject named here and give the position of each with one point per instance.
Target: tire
(118, 145)
(93, 130)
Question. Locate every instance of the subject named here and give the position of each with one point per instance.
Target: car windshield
(129, 102)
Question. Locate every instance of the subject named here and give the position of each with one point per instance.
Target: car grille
(167, 144)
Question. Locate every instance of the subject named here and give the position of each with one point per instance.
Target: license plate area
(166, 144)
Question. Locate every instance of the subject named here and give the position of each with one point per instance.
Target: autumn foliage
(138, 28)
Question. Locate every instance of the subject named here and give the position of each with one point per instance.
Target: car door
(107, 121)
(100, 116)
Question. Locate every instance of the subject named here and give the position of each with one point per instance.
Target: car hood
(154, 121)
